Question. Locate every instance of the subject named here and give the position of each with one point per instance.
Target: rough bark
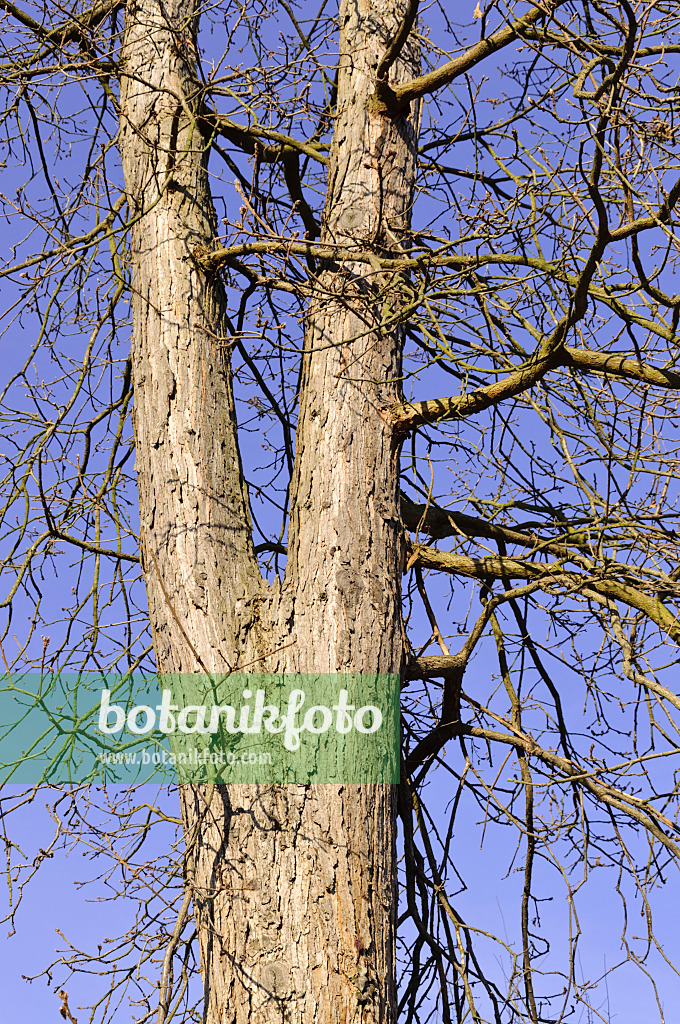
(294, 887)
(202, 578)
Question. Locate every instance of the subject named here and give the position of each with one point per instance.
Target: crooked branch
(393, 100)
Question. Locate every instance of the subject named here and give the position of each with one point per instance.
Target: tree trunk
(294, 886)
(202, 579)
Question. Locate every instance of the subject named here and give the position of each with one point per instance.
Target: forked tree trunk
(294, 886)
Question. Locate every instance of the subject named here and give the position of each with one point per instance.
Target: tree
(501, 197)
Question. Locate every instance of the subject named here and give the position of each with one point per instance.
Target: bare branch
(394, 100)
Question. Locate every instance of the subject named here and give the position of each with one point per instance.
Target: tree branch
(92, 548)
(632, 806)
(393, 101)
(615, 365)
(69, 30)
(433, 666)
(213, 260)
(409, 415)
(439, 523)
(291, 172)
(406, 416)
(549, 575)
(397, 44)
(248, 137)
